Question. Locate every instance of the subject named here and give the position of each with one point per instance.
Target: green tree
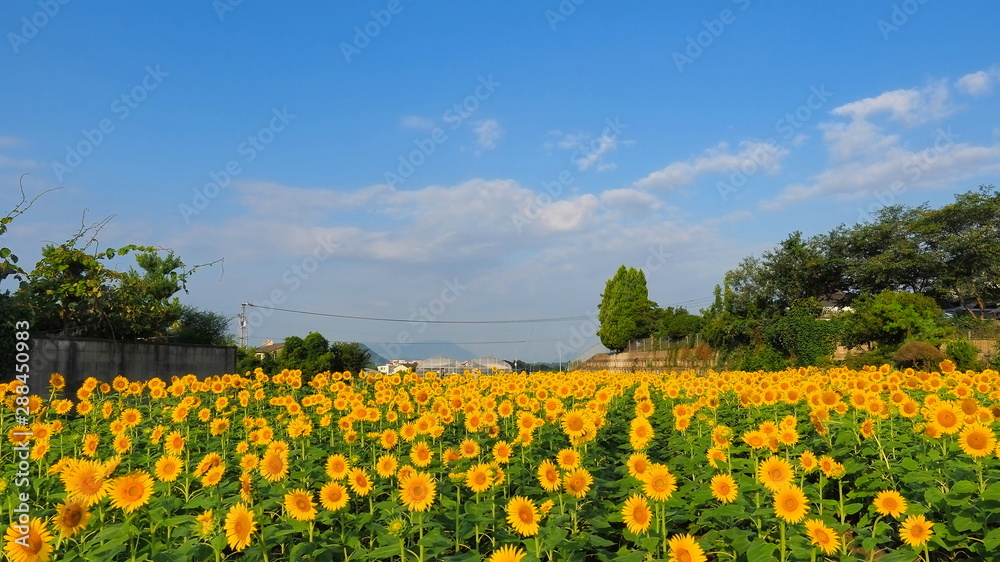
(889, 319)
(199, 326)
(625, 309)
(802, 336)
(676, 323)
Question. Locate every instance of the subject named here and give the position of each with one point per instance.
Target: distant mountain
(382, 352)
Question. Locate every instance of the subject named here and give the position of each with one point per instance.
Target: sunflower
(822, 536)
(417, 491)
(469, 448)
(386, 466)
(213, 476)
(333, 496)
(90, 443)
(637, 465)
(122, 444)
(337, 467)
(790, 504)
(174, 445)
(299, 505)
(168, 468)
(807, 460)
(246, 486)
(640, 433)
(359, 481)
(71, 517)
(890, 502)
(421, 454)
(508, 553)
(945, 416)
(977, 440)
(724, 488)
(274, 466)
(916, 530)
(775, 473)
(84, 480)
(502, 452)
(636, 514)
(239, 526)
(206, 523)
(577, 482)
(574, 423)
(684, 548)
(568, 458)
(479, 478)
(523, 516)
(131, 491)
(659, 483)
(548, 475)
(35, 548)
(131, 417)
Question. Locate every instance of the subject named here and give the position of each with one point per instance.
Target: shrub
(876, 357)
(919, 355)
(964, 354)
(764, 358)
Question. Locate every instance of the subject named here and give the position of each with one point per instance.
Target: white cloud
(8, 162)
(869, 158)
(8, 141)
(589, 152)
(909, 107)
(488, 132)
(978, 83)
(416, 122)
(752, 155)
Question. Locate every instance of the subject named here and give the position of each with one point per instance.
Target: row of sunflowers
(803, 464)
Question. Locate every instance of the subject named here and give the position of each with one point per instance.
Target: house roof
(272, 348)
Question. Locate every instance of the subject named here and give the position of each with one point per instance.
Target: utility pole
(244, 337)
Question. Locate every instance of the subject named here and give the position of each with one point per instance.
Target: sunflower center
(683, 556)
(525, 515)
(72, 517)
(976, 441)
(791, 504)
(418, 492)
(133, 491)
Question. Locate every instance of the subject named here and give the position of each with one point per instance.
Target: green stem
(781, 526)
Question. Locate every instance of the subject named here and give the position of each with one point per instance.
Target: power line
(421, 321)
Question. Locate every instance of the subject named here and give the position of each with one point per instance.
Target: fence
(79, 358)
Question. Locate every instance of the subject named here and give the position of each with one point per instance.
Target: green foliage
(963, 354)
(889, 319)
(314, 354)
(918, 355)
(803, 337)
(199, 326)
(763, 358)
(876, 357)
(676, 323)
(625, 309)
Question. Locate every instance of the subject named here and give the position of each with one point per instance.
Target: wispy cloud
(488, 133)
(762, 155)
(978, 83)
(416, 122)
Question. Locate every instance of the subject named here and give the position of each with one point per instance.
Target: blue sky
(482, 161)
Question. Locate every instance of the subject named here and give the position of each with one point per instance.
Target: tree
(676, 323)
(625, 309)
(199, 326)
(315, 354)
(890, 319)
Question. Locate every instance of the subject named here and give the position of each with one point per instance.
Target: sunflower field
(803, 464)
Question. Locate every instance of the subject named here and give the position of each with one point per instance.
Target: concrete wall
(79, 358)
